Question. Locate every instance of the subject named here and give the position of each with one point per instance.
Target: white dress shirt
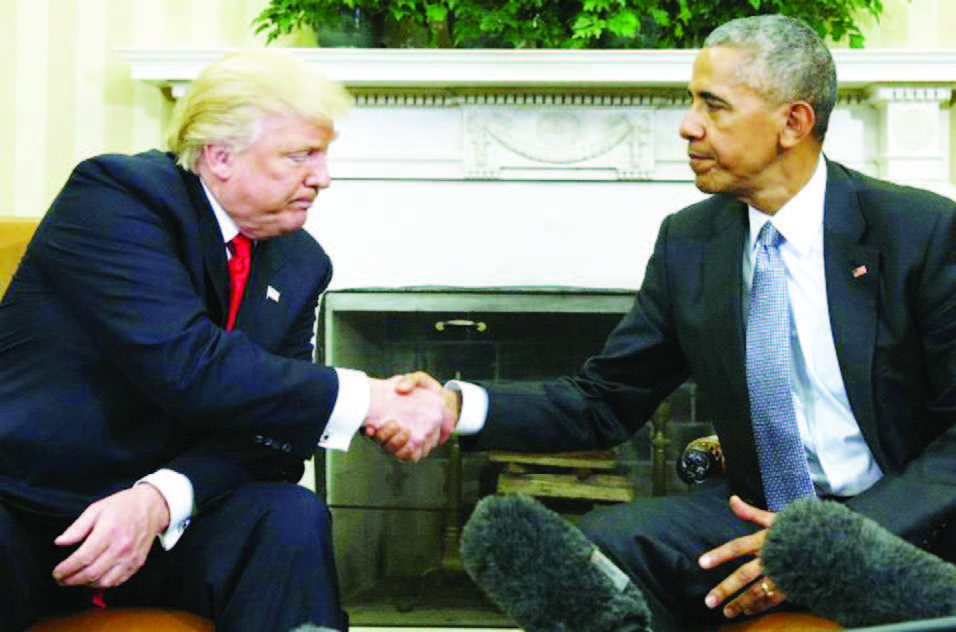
(840, 461)
(350, 410)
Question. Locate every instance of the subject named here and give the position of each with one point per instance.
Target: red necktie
(241, 247)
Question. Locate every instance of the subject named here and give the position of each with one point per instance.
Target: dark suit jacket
(894, 330)
(113, 357)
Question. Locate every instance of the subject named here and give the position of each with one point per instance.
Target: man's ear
(219, 159)
(799, 123)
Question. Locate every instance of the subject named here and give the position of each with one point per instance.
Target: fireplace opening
(396, 525)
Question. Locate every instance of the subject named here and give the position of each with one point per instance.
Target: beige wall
(68, 95)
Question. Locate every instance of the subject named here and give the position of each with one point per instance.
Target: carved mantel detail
(617, 142)
(589, 115)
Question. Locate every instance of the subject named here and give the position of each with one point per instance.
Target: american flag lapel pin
(859, 271)
(272, 294)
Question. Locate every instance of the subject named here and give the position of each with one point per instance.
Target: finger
(405, 384)
(408, 382)
(121, 570)
(80, 528)
(386, 432)
(80, 568)
(113, 577)
(733, 584)
(744, 545)
(425, 380)
(408, 453)
(395, 443)
(751, 514)
(759, 596)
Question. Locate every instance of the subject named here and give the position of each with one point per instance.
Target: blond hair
(230, 97)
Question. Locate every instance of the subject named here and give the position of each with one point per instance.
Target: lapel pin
(859, 271)
(272, 294)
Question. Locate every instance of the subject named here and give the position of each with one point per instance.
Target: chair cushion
(781, 622)
(125, 620)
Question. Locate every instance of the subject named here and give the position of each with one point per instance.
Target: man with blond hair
(157, 390)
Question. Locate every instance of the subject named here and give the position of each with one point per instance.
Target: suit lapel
(213, 252)
(723, 296)
(853, 278)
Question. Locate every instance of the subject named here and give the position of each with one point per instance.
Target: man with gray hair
(814, 307)
(158, 394)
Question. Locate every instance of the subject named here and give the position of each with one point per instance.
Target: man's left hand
(757, 592)
(116, 534)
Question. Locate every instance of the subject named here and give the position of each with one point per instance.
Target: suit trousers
(260, 560)
(657, 541)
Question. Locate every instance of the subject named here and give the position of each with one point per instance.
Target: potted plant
(545, 23)
(364, 23)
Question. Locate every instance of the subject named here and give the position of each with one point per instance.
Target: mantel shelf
(477, 68)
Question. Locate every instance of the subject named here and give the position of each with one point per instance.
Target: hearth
(396, 525)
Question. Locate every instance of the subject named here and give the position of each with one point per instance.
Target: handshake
(410, 415)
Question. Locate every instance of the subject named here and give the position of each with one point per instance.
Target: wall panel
(68, 95)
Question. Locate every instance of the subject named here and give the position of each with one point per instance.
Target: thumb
(405, 384)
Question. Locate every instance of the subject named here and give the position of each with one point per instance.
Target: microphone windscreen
(841, 565)
(543, 571)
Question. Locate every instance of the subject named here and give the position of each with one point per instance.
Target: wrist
(157, 507)
(453, 403)
(377, 396)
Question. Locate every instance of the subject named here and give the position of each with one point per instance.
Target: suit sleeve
(611, 396)
(220, 462)
(113, 253)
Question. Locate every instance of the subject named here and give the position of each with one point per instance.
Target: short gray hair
(788, 62)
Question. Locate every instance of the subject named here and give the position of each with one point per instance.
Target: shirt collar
(226, 225)
(800, 220)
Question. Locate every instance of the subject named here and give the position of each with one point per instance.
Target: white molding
(467, 68)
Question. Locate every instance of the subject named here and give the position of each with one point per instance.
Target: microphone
(544, 573)
(846, 567)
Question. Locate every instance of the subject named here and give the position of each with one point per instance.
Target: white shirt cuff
(474, 407)
(177, 490)
(351, 409)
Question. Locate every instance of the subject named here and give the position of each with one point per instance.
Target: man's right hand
(414, 421)
(115, 535)
(397, 438)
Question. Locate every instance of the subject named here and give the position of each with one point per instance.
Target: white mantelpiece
(552, 167)
(456, 68)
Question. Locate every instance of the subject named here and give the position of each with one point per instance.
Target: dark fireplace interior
(396, 525)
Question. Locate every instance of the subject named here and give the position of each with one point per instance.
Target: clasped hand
(410, 415)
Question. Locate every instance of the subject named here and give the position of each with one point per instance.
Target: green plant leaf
(660, 17)
(624, 24)
(568, 23)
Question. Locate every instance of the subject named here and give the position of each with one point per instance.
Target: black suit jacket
(894, 330)
(114, 361)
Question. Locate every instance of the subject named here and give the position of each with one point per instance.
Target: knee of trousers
(296, 513)
(617, 525)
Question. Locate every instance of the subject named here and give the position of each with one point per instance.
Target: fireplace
(395, 524)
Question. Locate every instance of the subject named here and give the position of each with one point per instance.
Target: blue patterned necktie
(783, 462)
